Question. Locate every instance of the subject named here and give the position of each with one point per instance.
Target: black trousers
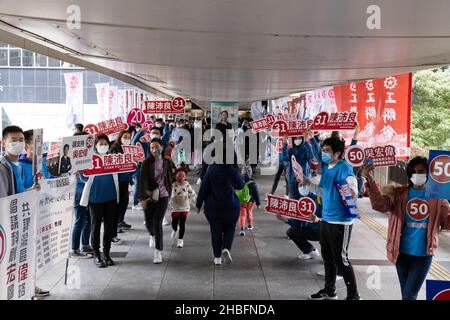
(122, 206)
(154, 214)
(102, 212)
(300, 236)
(281, 170)
(222, 228)
(181, 222)
(334, 241)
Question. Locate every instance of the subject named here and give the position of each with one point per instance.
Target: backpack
(244, 194)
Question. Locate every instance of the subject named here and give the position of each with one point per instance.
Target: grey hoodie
(7, 181)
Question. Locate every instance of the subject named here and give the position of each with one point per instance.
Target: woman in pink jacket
(414, 225)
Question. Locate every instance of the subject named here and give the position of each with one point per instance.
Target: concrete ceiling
(229, 50)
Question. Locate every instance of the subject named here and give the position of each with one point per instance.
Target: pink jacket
(395, 204)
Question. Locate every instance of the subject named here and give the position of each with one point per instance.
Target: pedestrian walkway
(265, 264)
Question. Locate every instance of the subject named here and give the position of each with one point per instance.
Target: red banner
(110, 163)
(107, 127)
(283, 128)
(335, 121)
(177, 105)
(296, 209)
(262, 124)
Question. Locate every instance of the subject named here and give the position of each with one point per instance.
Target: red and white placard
(296, 209)
(177, 105)
(137, 152)
(107, 127)
(378, 156)
(297, 168)
(111, 163)
(335, 121)
(135, 116)
(262, 124)
(280, 143)
(283, 128)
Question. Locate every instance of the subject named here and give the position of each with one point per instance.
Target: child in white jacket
(182, 194)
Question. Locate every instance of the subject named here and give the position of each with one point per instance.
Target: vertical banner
(54, 221)
(17, 246)
(74, 98)
(103, 99)
(38, 139)
(114, 110)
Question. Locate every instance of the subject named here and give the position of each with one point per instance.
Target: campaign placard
(107, 127)
(296, 209)
(177, 105)
(75, 153)
(379, 156)
(437, 290)
(295, 128)
(438, 184)
(135, 116)
(297, 168)
(335, 121)
(137, 152)
(38, 140)
(262, 124)
(110, 163)
(347, 198)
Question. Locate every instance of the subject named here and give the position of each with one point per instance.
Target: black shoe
(120, 230)
(89, 250)
(108, 260)
(353, 298)
(323, 295)
(99, 262)
(124, 225)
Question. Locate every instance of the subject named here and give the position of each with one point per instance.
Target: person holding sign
(336, 227)
(414, 224)
(101, 194)
(155, 190)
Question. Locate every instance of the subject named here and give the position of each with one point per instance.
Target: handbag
(155, 195)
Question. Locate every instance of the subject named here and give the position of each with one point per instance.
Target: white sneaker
(199, 181)
(217, 261)
(339, 278)
(310, 255)
(151, 242)
(286, 197)
(226, 256)
(242, 233)
(165, 222)
(157, 256)
(180, 243)
(173, 234)
(137, 207)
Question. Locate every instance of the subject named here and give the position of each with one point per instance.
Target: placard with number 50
(438, 185)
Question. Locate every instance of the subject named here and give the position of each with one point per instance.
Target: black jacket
(148, 181)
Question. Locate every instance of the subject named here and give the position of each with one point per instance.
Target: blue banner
(438, 185)
(438, 290)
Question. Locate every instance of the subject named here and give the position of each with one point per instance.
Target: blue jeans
(137, 184)
(81, 227)
(412, 271)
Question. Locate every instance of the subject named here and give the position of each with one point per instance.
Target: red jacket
(395, 204)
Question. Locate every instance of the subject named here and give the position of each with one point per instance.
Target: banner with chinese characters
(54, 221)
(177, 105)
(137, 152)
(378, 157)
(296, 209)
(76, 153)
(74, 97)
(111, 163)
(262, 124)
(103, 99)
(107, 127)
(17, 246)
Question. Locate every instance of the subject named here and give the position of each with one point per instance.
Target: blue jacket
(27, 171)
(303, 154)
(313, 226)
(217, 190)
(254, 192)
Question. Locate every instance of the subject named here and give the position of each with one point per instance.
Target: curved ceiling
(229, 50)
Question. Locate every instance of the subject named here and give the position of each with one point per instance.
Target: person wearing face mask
(302, 152)
(13, 141)
(154, 194)
(336, 225)
(125, 179)
(414, 223)
(101, 194)
(179, 204)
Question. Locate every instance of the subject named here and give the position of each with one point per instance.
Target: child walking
(182, 193)
(247, 197)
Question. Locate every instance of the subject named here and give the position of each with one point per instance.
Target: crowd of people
(227, 195)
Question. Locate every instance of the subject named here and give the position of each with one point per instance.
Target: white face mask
(298, 142)
(154, 135)
(303, 190)
(15, 148)
(138, 129)
(159, 125)
(126, 142)
(102, 149)
(418, 179)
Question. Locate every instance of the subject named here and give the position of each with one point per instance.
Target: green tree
(430, 127)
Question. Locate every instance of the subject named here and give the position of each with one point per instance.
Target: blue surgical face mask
(326, 157)
(303, 190)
